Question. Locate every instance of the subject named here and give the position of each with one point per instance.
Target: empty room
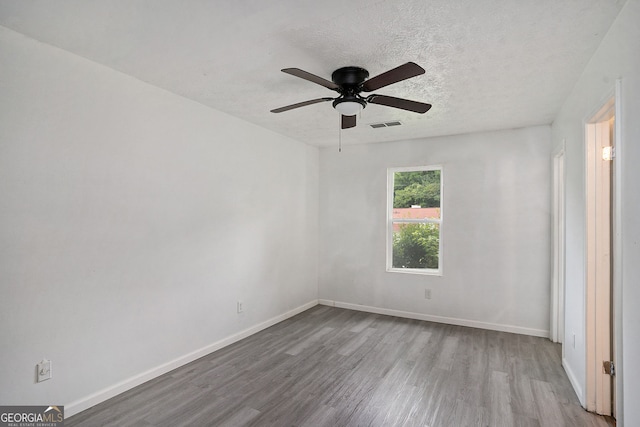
(327, 213)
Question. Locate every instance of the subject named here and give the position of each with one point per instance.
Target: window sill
(424, 272)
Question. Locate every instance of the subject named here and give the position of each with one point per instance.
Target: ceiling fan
(349, 82)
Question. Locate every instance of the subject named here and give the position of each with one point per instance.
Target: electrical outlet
(240, 307)
(44, 370)
(427, 293)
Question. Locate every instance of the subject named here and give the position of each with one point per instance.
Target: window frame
(390, 221)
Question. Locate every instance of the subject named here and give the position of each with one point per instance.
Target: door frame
(558, 272)
(616, 235)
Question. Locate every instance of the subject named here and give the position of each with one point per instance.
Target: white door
(599, 260)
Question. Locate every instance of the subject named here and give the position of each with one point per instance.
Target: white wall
(496, 230)
(617, 57)
(131, 220)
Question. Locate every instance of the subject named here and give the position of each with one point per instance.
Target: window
(414, 220)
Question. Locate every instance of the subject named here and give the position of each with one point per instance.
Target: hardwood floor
(335, 367)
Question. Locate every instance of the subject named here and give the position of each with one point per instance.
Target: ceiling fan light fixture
(348, 107)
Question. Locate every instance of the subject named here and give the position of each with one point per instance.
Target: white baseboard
(87, 402)
(327, 302)
(439, 319)
(574, 382)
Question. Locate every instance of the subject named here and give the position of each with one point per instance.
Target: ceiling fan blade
(403, 104)
(311, 77)
(300, 104)
(348, 122)
(403, 72)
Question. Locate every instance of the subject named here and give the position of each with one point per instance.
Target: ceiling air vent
(384, 125)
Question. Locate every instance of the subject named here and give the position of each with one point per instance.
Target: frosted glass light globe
(349, 108)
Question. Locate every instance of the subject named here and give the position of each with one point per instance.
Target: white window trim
(390, 184)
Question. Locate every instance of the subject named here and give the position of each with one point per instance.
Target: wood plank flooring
(335, 367)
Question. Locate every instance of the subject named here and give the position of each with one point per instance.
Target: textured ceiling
(490, 64)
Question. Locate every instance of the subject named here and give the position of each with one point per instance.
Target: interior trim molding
(439, 319)
(87, 402)
(574, 382)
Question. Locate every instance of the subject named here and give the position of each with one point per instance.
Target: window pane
(417, 190)
(415, 245)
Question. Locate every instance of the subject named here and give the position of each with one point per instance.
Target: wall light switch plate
(44, 370)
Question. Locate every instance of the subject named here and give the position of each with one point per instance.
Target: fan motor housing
(351, 77)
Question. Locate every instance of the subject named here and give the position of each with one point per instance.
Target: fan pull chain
(339, 133)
